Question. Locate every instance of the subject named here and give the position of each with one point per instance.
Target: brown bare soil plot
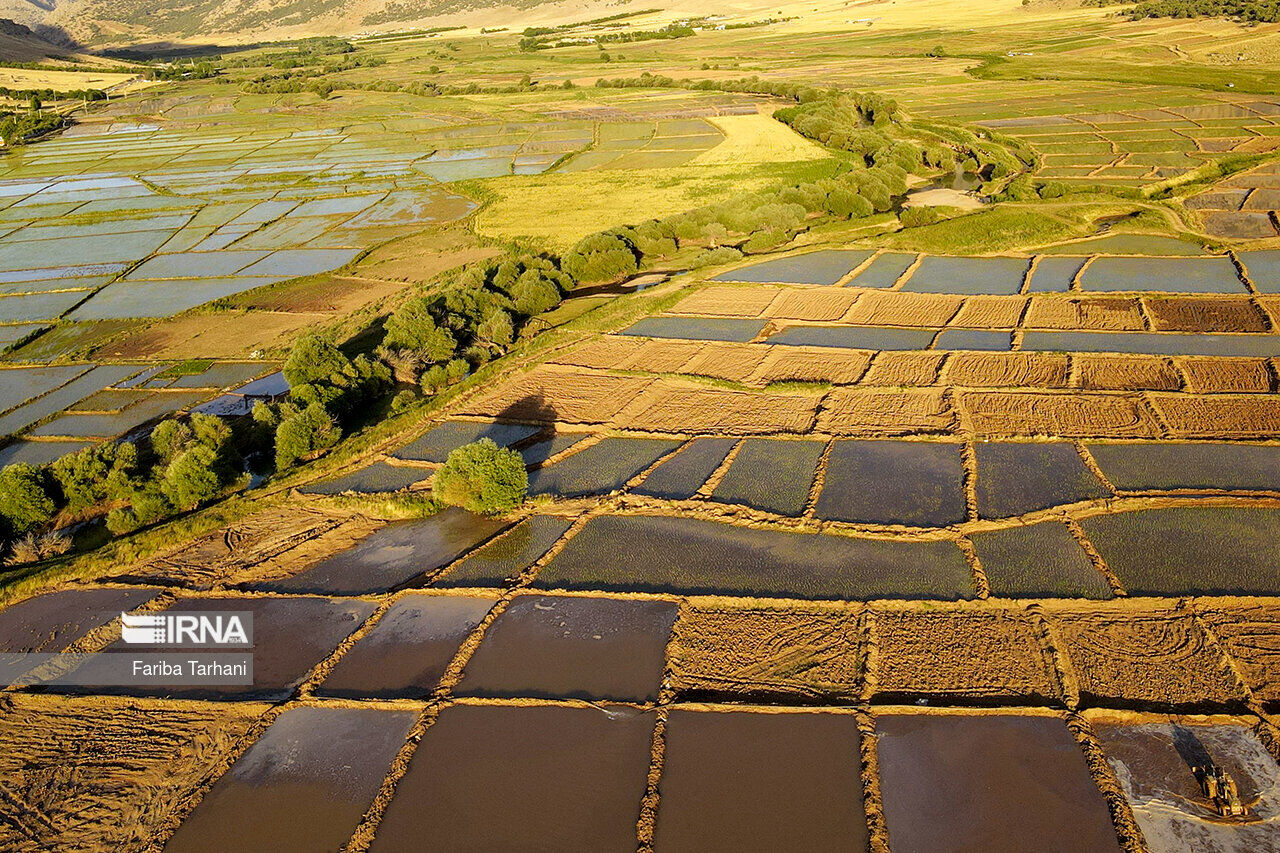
(1210, 416)
(728, 301)
(913, 369)
(670, 407)
(813, 364)
(735, 362)
(607, 353)
(1251, 635)
(1214, 314)
(748, 652)
(868, 411)
(1159, 658)
(1067, 416)
(93, 774)
(990, 312)
(1126, 373)
(960, 655)
(904, 309)
(815, 305)
(546, 394)
(266, 544)
(1227, 375)
(218, 335)
(1006, 370)
(1098, 313)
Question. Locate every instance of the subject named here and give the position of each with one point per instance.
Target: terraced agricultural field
(885, 422)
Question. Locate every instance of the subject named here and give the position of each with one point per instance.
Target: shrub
(303, 433)
(912, 216)
(402, 401)
(482, 477)
(32, 548)
(24, 502)
(433, 379)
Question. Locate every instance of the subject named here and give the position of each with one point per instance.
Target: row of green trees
(1248, 11)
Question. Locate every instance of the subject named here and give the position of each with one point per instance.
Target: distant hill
(96, 22)
(18, 43)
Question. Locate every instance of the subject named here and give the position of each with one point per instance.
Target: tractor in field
(1221, 790)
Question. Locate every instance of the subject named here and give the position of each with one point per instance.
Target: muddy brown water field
(844, 550)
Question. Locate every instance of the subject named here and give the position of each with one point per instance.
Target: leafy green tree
(412, 327)
(303, 433)
(482, 477)
(170, 438)
(191, 479)
(600, 257)
(24, 502)
(313, 359)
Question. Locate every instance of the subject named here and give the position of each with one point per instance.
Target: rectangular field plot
(110, 425)
(1129, 244)
(1156, 764)
(1263, 269)
(377, 478)
(684, 474)
(1054, 275)
(1160, 659)
(855, 337)
(291, 635)
(196, 264)
(394, 555)
(408, 649)
(1190, 550)
(937, 274)
(723, 766)
(1040, 561)
(503, 558)
(304, 785)
(884, 271)
(100, 773)
(126, 299)
(893, 482)
(1251, 635)
(55, 620)
(742, 653)
(38, 306)
(690, 556)
(20, 384)
(72, 392)
(541, 451)
(1167, 275)
(39, 452)
(11, 335)
(1197, 465)
(771, 475)
(503, 777)
(826, 267)
(960, 656)
(973, 340)
(1015, 478)
(572, 647)
(1155, 343)
(439, 442)
(599, 469)
(990, 783)
(696, 328)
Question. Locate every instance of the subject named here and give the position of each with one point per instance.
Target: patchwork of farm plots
(1242, 207)
(439, 710)
(1136, 146)
(59, 409)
